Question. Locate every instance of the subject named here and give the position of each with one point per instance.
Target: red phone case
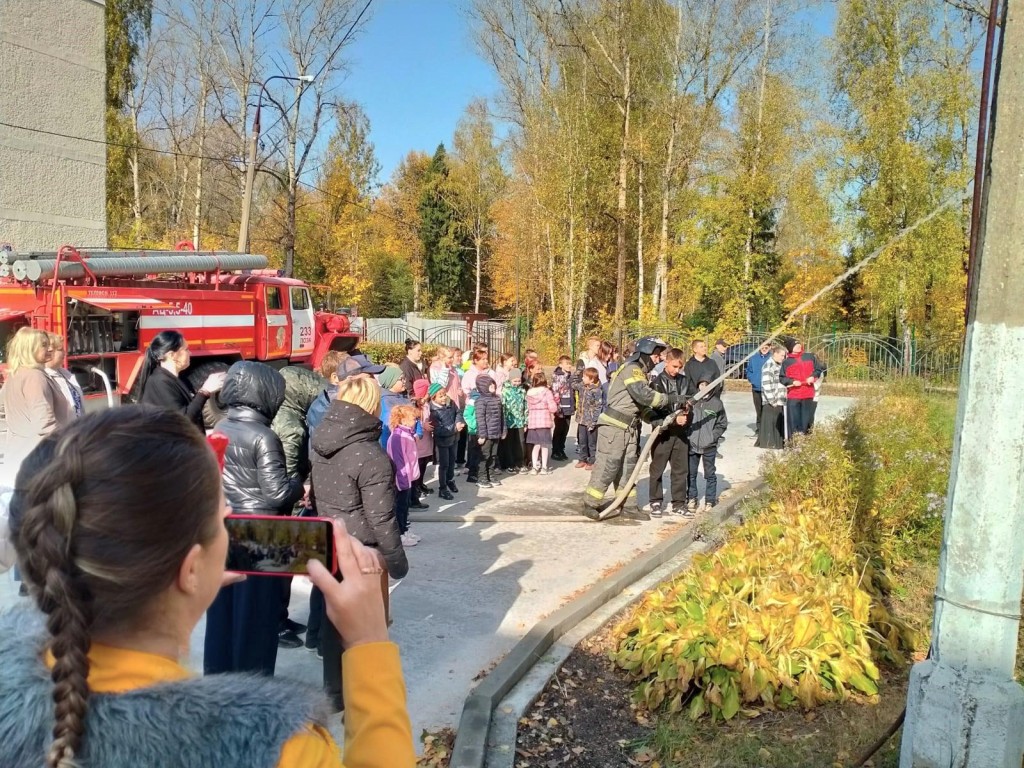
(333, 553)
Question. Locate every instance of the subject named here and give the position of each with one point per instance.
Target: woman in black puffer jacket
(354, 483)
(242, 623)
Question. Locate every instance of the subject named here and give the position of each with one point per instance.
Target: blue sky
(414, 70)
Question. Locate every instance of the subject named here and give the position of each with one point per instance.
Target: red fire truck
(110, 304)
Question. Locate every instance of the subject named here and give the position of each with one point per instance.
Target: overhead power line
(173, 153)
(139, 147)
(142, 148)
(344, 39)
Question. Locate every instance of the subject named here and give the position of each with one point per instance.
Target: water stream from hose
(623, 492)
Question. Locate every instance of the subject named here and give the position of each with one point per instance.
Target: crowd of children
(463, 411)
(494, 420)
(494, 417)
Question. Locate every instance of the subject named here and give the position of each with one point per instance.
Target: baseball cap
(354, 364)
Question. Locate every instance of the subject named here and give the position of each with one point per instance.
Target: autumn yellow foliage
(791, 610)
(786, 613)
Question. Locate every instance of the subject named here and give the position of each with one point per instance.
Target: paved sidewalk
(475, 588)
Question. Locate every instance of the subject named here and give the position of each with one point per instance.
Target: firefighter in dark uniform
(629, 395)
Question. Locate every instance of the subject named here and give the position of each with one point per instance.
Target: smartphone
(266, 545)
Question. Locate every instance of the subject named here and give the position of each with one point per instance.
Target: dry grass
(828, 737)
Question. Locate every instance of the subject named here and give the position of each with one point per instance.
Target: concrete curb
(470, 750)
(443, 517)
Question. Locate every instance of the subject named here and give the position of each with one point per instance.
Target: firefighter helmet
(648, 345)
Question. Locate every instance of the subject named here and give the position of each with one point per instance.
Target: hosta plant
(787, 612)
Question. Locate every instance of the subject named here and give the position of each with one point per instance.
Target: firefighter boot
(635, 513)
(631, 510)
(591, 510)
(593, 500)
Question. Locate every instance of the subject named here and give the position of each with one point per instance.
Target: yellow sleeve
(377, 728)
(311, 748)
(378, 733)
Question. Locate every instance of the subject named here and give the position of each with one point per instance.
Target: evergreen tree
(446, 269)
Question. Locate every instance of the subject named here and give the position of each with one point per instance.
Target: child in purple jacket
(404, 454)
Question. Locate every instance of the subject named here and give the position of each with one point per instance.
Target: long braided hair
(103, 513)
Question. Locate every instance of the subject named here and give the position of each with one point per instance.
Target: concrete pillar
(964, 709)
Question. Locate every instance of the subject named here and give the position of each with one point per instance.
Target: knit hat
(434, 389)
(789, 343)
(515, 376)
(389, 376)
(420, 387)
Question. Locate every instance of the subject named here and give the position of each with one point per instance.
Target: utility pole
(250, 176)
(964, 709)
(250, 169)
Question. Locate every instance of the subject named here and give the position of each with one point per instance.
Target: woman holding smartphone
(354, 483)
(118, 524)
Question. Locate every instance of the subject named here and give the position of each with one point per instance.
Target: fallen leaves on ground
(437, 748)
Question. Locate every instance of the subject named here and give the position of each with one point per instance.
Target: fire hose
(612, 509)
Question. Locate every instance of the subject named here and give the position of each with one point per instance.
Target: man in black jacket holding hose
(629, 394)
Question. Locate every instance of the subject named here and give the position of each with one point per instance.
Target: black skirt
(538, 436)
(771, 434)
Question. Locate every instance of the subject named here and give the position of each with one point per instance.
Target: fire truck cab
(284, 315)
(109, 305)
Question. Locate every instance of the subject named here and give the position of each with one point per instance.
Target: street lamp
(250, 171)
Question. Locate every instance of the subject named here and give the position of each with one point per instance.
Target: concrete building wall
(52, 78)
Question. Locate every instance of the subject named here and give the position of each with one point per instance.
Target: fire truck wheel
(214, 410)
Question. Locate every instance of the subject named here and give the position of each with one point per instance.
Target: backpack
(561, 388)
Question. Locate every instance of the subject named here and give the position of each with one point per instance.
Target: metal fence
(395, 333)
(500, 337)
(850, 356)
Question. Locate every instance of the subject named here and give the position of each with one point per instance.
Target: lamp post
(250, 171)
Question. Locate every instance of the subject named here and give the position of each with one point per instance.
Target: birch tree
(476, 181)
(906, 116)
(708, 44)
